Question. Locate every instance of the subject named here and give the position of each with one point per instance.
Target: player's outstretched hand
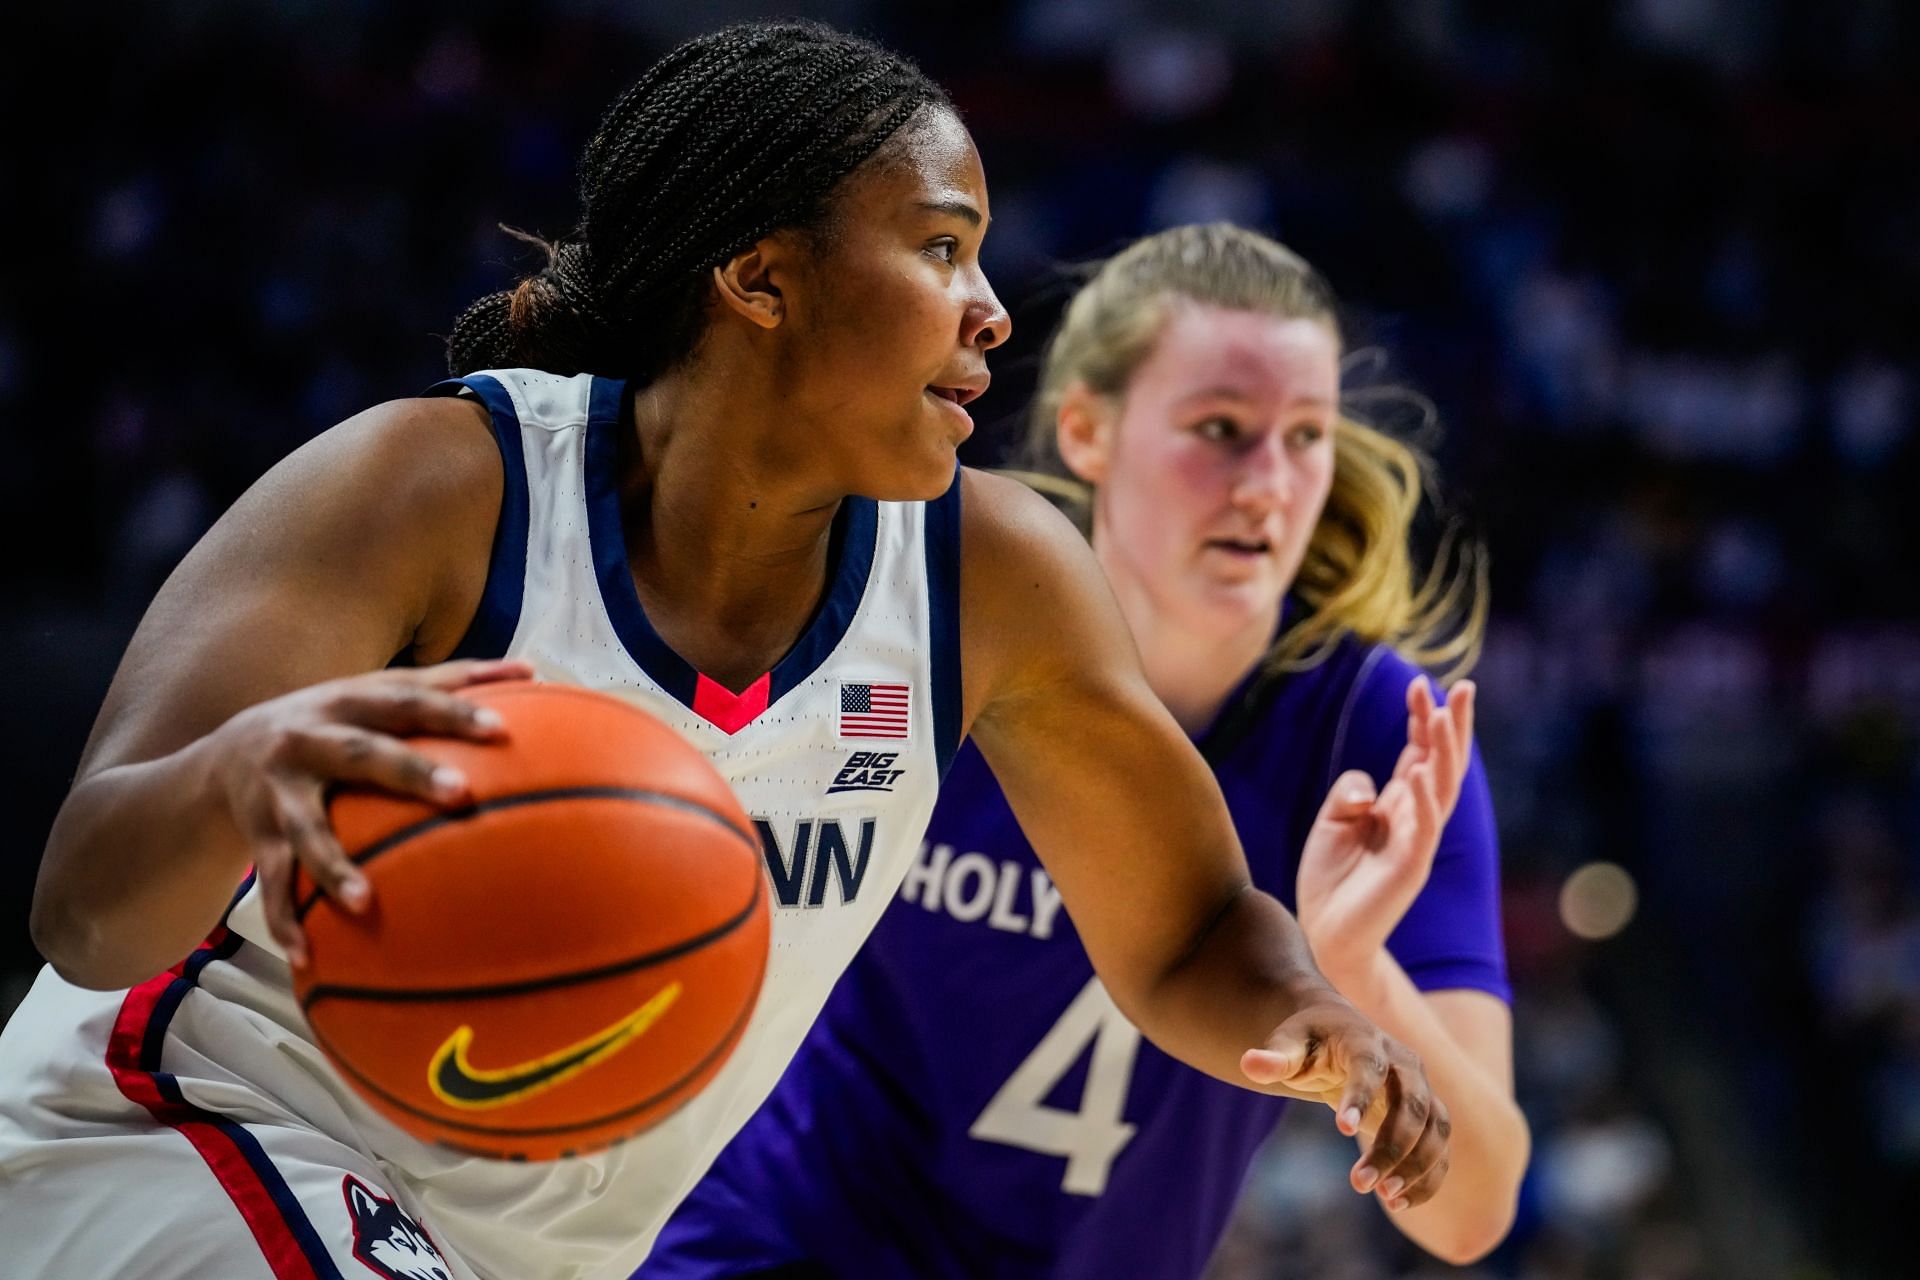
(1329, 1053)
(1369, 855)
(274, 763)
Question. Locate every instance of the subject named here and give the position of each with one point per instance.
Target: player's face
(1220, 464)
(898, 317)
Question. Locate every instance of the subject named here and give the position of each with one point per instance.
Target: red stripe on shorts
(229, 1164)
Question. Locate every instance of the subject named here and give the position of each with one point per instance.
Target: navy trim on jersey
(154, 1040)
(942, 537)
(291, 1212)
(152, 1043)
(857, 527)
(498, 616)
(856, 531)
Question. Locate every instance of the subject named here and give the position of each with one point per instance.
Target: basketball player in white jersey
(749, 524)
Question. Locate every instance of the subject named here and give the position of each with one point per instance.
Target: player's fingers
(1366, 1065)
(1397, 1135)
(471, 671)
(1401, 1147)
(273, 869)
(1449, 762)
(1392, 812)
(407, 707)
(1427, 818)
(1419, 708)
(303, 824)
(348, 753)
(1410, 756)
(1282, 1058)
(1420, 1192)
(1350, 796)
(1418, 1178)
(1462, 699)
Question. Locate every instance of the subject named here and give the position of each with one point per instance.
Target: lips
(952, 398)
(963, 392)
(1241, 546)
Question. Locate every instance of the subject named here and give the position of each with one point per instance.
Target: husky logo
(389, 1242)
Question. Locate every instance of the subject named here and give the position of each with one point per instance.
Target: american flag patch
(875, 710)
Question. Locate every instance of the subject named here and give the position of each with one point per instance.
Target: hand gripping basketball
(561, 961)
(1329, 1053)
(276, 761)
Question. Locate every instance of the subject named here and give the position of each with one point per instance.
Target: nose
(986, 323)
(1264, 479)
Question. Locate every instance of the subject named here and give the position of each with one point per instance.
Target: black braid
(727, 138)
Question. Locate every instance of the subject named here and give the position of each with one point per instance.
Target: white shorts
(107, 1170)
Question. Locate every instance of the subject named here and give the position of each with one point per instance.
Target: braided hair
(727, 138)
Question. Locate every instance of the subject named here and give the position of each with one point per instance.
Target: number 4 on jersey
(1090, 1138)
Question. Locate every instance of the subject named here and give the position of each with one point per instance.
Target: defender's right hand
(275, 762)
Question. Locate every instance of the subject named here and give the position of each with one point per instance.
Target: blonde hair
(1358, 575)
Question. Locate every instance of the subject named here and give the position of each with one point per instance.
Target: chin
(1230, 606)
(921, 478)
(938, 479)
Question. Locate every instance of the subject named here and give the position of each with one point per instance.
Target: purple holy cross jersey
(971, 1104)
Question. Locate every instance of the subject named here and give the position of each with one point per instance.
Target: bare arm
(1465, 1038)
(1135, 833)
(1368, 859)
(370, 540)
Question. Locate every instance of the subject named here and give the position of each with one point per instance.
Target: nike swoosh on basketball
(458, 1083)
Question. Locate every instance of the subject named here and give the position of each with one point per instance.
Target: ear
(745, 284)
(1084, 430)
(359, 1200)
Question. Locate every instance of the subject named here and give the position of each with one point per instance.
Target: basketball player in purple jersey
(971, 1102)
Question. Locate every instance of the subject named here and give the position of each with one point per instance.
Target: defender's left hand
(1368, 855)
(1329, 1053)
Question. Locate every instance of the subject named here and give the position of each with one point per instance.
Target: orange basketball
(562, 963)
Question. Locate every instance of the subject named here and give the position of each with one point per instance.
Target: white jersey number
(1091, 1137)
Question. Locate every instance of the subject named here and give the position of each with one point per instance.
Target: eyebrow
(1234, 393)
(958, 208)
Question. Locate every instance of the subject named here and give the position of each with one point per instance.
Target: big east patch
(867, 771)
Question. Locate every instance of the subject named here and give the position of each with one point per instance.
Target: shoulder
(1018, 552)
(402, 497)
(438, 451)
(1003, 520)
(1022, 561)
(1036, 611)
(1354, 677)
(1381, 675)
(441, 449)
(1372, 727)
(410, 479)
(1298, 723)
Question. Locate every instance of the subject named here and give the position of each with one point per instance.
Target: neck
(727, 534)
(1190, 668)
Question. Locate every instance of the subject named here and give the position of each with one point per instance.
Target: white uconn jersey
(836, 753)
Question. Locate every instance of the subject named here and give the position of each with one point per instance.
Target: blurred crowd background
(1656, 263)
